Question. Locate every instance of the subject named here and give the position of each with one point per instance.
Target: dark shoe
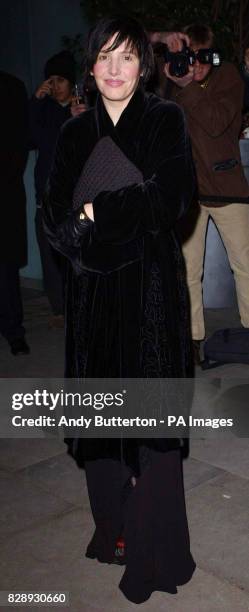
(196, 351)
(19, 346)
(97, 550)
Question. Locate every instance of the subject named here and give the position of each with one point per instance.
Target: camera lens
(179, 65)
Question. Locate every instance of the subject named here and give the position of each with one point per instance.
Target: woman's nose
(114, 67)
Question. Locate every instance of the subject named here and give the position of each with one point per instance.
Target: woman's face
(201, 71)
(117, 72)
(61, 89)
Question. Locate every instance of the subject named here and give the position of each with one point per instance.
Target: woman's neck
(115, 108)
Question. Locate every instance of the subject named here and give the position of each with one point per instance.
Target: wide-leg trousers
(152, 518)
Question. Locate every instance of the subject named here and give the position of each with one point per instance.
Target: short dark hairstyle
(200, 33)
(126, 28)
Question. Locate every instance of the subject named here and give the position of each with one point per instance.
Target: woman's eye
(102, 57)
(128, 57)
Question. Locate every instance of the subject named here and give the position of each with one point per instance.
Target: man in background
(212, 98)
(13, 239)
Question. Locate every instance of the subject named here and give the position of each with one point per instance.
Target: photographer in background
(212, 98)
(50, 106)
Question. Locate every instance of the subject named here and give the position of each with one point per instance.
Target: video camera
(180, 61)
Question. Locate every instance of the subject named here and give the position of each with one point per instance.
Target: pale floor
(46, 520)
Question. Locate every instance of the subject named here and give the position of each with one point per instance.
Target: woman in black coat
(122, 177)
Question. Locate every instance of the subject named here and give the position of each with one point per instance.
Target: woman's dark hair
(125, 28)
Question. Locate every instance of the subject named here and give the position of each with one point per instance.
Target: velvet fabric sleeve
(161, 199)
(158, 154)
(63, 226)
(74, 238)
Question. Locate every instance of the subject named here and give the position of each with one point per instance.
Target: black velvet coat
(127, 308)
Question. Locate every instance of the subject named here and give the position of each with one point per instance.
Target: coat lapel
(126, 133)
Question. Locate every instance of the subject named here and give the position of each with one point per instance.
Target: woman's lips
(114, 82)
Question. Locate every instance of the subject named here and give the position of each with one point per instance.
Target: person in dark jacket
(121, 177)
(13, 238)
(49, 108)
(212, 99)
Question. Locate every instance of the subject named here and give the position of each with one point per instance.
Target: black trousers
(11, 311)
(152, 518)
(52, 268)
